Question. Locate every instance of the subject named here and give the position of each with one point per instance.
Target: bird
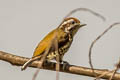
(64, 33)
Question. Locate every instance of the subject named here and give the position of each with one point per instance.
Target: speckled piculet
(65, 33)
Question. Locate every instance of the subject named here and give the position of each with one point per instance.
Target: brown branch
(93, 43)
(19, 61)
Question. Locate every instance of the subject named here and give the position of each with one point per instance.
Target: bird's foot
(65, 65)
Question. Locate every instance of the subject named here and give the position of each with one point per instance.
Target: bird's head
(71, 25)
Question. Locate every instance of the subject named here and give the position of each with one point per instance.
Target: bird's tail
(29, 62)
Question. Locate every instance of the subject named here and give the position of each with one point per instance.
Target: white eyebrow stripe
(67, 21)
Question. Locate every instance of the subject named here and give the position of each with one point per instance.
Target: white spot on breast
(51, 56)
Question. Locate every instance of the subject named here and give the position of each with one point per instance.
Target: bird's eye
(73, 22)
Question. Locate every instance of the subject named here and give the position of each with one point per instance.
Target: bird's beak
(81, 25)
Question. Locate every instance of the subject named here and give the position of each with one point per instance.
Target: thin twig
(115, 70)
(98, 77)
(90, 49)
(85, 9)
(35, 74)
(55, 44)
(52, 44)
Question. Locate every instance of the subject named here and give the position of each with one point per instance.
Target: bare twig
(55, 44)
(113, 73)
(90, 49)
(115, 70)
(71, 69)
(98, 77)
(52, 43)
(35, 74)
(41, 63)
(85, 9)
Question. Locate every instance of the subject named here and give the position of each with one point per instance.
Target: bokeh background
(23, 23)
